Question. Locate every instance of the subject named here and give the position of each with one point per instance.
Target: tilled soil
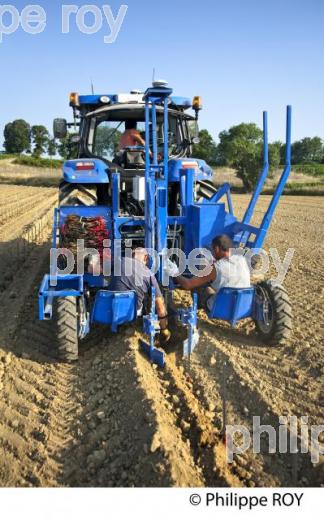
(113, 419)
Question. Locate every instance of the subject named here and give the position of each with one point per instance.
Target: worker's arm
(159, 304)
(161, 311)
(193, 283)
(139, 139)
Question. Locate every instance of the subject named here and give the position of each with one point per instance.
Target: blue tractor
(157, 196)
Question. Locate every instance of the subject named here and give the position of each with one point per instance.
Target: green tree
(275, 155)
(40, 137)
(17, 136)
(307, 150)
(206, 149)
(51, 147)
(241, 148)
(66, 148)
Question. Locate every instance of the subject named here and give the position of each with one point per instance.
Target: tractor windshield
(113, 129)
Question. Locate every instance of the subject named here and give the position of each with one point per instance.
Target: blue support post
(281, 185)
(156, 176)
(188, 317)
(147, 138)
(162, 192)
(67, 285)
(154, 138)
(55, 226)
(115, 203)
(156, 204)
(115, 194)
(263, 175)
(166, 142)
(53, 270)
(151, 327)
(187, 199)
(149, 184)
(187, 179)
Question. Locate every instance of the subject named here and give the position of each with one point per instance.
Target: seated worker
(131, 136)
(136, 276)
(228, 270)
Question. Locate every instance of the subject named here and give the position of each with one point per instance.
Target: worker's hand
(163, 323)
(170, 268)
(165, 336)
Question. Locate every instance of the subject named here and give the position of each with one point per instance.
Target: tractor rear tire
(77, 194)
(67, 329)
(276, 328)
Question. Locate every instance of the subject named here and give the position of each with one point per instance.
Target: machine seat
(114, 308)
(233, 304)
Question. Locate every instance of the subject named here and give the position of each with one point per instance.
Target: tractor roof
(123, 111)
(94, 101)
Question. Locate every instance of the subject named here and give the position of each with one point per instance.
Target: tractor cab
(112, 137)
(105, 128)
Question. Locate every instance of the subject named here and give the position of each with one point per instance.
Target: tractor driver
(228, 270)
(136, 276)
(131, 136)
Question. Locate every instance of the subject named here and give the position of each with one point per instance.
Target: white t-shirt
(230, 272)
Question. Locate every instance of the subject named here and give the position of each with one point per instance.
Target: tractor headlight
(105, 100)
(74, 99)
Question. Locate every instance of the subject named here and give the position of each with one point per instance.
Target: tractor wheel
(276, 326)
(77, 194)
(67, 329)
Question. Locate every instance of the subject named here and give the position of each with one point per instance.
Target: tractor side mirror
(60, 128)
(196, 140)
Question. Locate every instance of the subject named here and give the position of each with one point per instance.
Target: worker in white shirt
(228, 270)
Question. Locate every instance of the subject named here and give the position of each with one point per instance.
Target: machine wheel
(276, 326)
(67, 329)
(77, 194)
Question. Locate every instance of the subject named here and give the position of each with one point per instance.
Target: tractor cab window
(109, 132)
(176, 135)
(193, 129)
(107, 136)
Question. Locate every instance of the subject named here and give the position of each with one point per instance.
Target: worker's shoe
(165, 336)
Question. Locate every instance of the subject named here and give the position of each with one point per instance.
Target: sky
(241, 56)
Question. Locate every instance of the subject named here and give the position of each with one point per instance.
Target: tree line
(241, 148)
(20, 137)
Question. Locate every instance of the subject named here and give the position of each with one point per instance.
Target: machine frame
(196, 222)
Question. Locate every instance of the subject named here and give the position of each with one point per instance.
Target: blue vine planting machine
(159, 197)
